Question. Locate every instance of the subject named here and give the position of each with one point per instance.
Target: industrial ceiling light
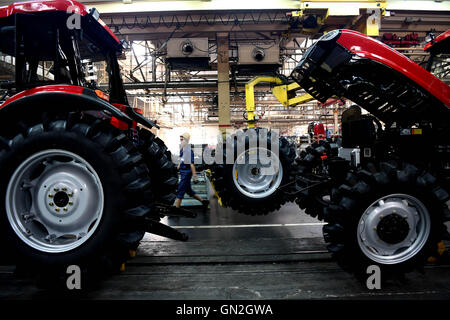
(127, 1)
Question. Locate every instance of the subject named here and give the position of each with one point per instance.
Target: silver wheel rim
(54, 201)
(257, 173)
(404, 213)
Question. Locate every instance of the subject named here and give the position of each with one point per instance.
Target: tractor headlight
(330, 35)
(94, 13)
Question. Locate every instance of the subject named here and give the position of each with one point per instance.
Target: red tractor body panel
(43, 5)
(50, 5)
(439, 39)
(44, 89)
(71, 90)
(367, 47)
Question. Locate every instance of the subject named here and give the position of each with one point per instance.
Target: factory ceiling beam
(183, 20)
(163, 33)
(192, 85)
(152, 20)
(111, 6)
(176, 84)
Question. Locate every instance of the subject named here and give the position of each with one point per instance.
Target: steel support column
(223, 82)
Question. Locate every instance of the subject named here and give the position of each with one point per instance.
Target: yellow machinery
(285, 93)
(367, 13)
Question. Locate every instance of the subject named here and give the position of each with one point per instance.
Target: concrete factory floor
(234, 256)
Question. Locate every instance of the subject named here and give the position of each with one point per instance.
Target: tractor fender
(35, 102)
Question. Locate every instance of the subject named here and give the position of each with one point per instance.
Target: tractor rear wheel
(72, 192)
(163, 171)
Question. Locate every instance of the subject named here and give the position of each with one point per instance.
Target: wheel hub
(393, 229)
(257, 173)
(61, 199)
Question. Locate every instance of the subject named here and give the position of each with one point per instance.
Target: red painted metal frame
(43, 89)
(40, 6)
(367, 47)
(116, 122)
(122, 125)
(50, 5)
(438, 39)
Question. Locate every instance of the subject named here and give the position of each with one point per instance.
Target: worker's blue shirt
(186, 158)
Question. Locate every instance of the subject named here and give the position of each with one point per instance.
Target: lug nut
(57, 209)
(50, 195)
(51, 204)
(56, 189)
(64, 189)
(70, 194)
(70, 203)
(65, 209)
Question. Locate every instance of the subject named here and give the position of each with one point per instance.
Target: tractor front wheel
(256, 179)
(390, 214)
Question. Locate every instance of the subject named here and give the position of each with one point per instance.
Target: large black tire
(361, 189)
(163, 171)
(231, 196)
(313, 168)
(126, 191)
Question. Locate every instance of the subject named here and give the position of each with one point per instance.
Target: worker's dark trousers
(185, 185)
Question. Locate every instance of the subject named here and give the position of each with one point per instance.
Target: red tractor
(385, 202)
(81, 182)
(439, 50)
